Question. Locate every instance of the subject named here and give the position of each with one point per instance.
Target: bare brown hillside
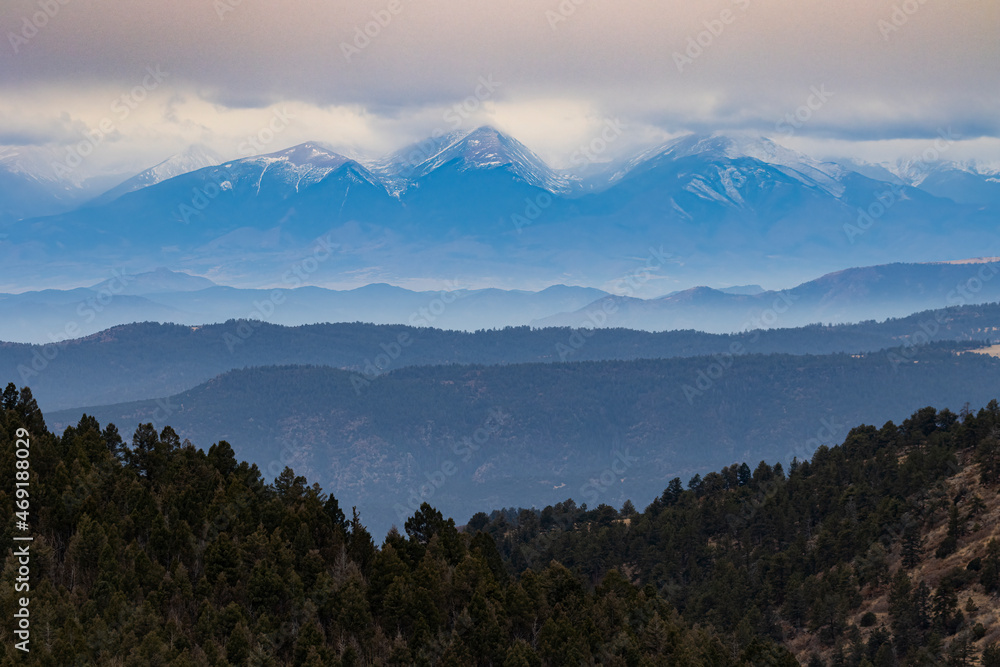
(979, 518)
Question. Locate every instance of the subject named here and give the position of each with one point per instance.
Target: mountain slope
(857, 294)
(525, 433)
(882, 550)
(194, 158)
(487, 149)
(166, 553)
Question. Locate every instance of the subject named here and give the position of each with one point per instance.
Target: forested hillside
(880, 551)
(149, 360)
(159, 553)
(601, 431)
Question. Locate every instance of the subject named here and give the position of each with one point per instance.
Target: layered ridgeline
(848, 296)
(159, 553)
(141, 361)
(879, 551)
(473, 437)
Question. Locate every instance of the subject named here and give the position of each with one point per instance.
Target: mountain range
(850, 295)
(48, 316)
(482, 208)
(147, 360)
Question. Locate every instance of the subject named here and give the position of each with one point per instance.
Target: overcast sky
(883, 78)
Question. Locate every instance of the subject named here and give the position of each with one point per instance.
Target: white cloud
(561, 79)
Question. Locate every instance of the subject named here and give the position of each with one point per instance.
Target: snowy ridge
(194, 158)
(721, 149)
(298, 167)
(36, 163)
(486, 148)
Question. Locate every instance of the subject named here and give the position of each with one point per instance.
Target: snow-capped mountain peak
(720, 148)
(195, 157)
(488, 148)
(298, 167)
(309, 154)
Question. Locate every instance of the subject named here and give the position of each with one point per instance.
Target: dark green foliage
(950, 542)
(163, 554)
(991, 655)
(988, 458)
(799, 549)
(912, 544)
(10, 396)
(989, 575)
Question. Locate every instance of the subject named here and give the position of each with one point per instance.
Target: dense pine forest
(150, 551)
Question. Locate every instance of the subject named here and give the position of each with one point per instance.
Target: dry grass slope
(979, 530)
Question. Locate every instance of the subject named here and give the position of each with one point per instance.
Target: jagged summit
(488, 148)
(309, 153)
(197, 156)
(729, 152)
